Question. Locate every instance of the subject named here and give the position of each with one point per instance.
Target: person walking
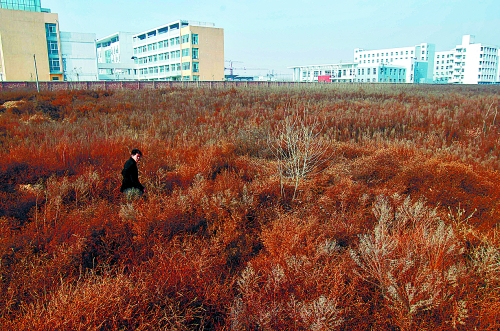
(131, 186)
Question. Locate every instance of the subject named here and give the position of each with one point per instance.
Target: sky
(268, 36)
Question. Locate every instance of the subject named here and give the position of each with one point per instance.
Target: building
(413, 59)
(25, 5)
(115, 59)
(29, 42)
(339, 73)
(78, 56)
(474, 63)
(443, 69)
(380, 73)
(412, 64)
(180, 50)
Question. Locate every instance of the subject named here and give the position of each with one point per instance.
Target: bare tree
(298, 147)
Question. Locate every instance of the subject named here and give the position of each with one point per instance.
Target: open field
(326, 207)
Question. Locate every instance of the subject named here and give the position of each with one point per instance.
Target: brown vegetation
(388, 222)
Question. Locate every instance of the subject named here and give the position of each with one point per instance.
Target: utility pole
(36, 74)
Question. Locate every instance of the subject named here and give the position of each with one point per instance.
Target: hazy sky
(276, 34)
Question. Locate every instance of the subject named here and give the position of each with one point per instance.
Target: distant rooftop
(175, 25)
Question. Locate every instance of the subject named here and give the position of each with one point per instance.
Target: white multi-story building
(381, 73)
(443, 69)
(339, 73)
(78, 56)
(474, 63)
(115, 57)
(411, 58)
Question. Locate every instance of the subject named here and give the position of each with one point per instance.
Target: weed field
(315, 207)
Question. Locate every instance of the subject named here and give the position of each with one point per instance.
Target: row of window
(489, 77)
(487, 63)
(168, 55)
(387, 54)
(167, 43)
(488, 57)
(387, 80)
(443, 67)
(170, 67)
(489, 49)
(447, 61)
(442, 56)
(387, 60)
(383, 71)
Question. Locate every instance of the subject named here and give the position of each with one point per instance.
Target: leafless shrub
(298, 148)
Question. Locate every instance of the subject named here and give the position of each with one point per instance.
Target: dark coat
(130, 175)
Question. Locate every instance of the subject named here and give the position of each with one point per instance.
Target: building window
(52, 47)
(54, 65)
(196, 67)
(185, 38)
(195, 53)
(51, 29)
(185, 52)
(194, 38)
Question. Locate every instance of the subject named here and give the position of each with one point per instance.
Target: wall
(211, 51)
(79, 57)
(22, 35)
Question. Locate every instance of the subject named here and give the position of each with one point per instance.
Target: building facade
(410, 58)
(443, 69)
(29, 42)
(78, 56)
(180, 50)
(474, 63)
(339, 73)
(115, 57)
(381, 73)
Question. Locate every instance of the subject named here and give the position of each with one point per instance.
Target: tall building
(474, 63)
(418, 61)
(29, 42)
(180, 50)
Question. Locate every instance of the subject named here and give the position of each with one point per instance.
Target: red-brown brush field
(396, 230)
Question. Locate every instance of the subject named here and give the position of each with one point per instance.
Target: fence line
(138, 85)
(134, 85)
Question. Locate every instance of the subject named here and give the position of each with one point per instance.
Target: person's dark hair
(136, 151)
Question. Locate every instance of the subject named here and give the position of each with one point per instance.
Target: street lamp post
(36, 74)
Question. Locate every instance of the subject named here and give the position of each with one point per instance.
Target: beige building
(29, 45)
(180, 50)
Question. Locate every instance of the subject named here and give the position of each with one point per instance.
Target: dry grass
(392, 226)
